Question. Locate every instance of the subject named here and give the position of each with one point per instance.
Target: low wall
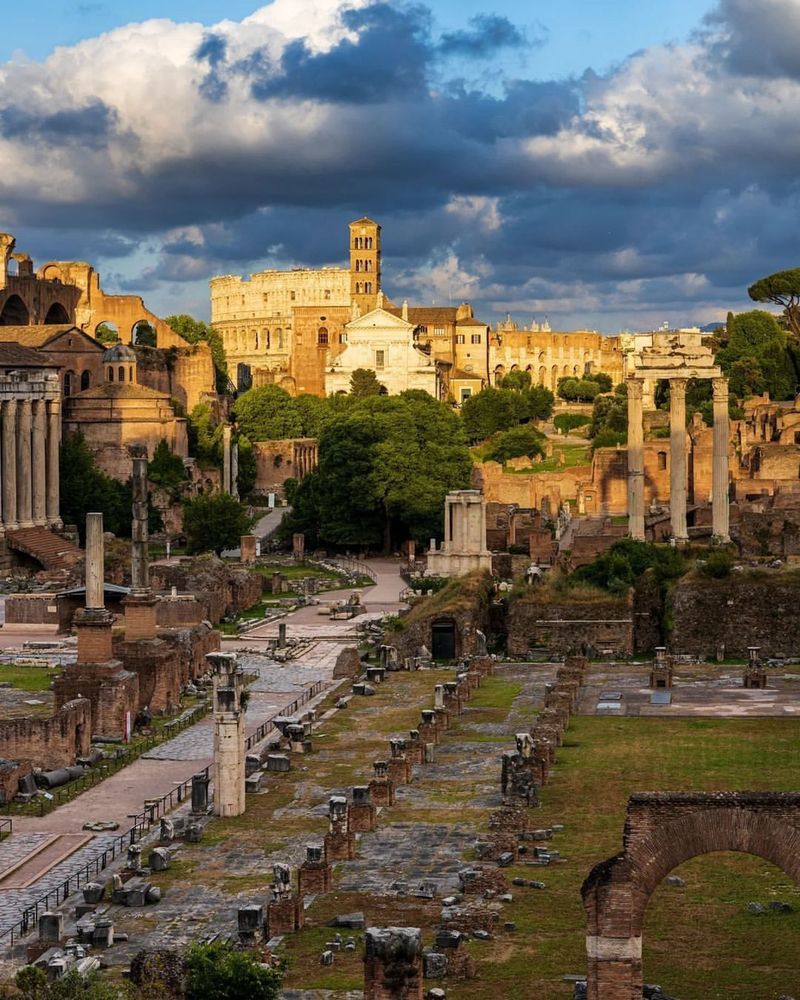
(218, 587)
(570, 625)
(49, 743)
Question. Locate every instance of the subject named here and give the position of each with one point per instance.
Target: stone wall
(465, 602)
(49, 743)
(31, 609)
(218, 587)
(565, 625)
(744, 609)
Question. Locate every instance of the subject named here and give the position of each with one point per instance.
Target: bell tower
(365, 264)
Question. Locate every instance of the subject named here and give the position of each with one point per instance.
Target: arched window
(279, 335)
(368, 287)
(322, 336)
(110, 374)
(130, 373)
(121, 373)
(256, 339)
(266, 340)
(86, 380)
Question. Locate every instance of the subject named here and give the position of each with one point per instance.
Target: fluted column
(635, 460)
(39, 463)
(677, 458)
(10, 464)
(720, 513)
(53, 448)
(24, 470)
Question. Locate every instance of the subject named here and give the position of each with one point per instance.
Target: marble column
(719, 483)
(39, 463)
(226, 458)
(53, 448)
(677, 458)
(140, 574)
(24, 469)
(635, 459)
(9, 418)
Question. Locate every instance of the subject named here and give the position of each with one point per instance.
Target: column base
(27, 524)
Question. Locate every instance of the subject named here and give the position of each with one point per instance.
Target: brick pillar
(363, 814)
(393, 964)
(399, 770)
(314, 875)
(381, 789)
(340, 842)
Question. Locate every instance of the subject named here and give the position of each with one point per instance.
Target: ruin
(393, 964)
(229, 751)
(464, 548)
(662, 830)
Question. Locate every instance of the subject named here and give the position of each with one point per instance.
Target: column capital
(635, 386)
(719, 389)
(677, 387)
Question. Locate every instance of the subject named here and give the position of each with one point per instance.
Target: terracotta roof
(472, 321)
(121, 390)
(427, 314)
(460, 374)
(14, 356)
(35, 336)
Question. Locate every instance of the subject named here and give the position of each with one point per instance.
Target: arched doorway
(443, 639)
(57, 314)
(14, 312)
(662, 831)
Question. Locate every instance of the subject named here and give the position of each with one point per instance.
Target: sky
(603, 164)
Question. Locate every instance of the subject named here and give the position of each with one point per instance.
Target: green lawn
(28, 678)
(574, 454)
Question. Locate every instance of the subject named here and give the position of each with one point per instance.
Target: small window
(292, 295)
(121, 373)
(322, 337)
(379, 359)
(465, 394)
(368, 287)
(662, 460)
(476, 338)
(110, 374)
(326, 294)
(438, 331)
(460, 338)
(130, 373)
(368, 243)
(86, 379)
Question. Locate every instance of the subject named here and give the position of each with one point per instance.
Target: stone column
(720, 513)
(140, 604)
(677, 458)
(53, 443)
(95, 569)
(235, 469)
(635, 460)
(10, 464)
(39, 463)
(448, 515)
(229, 753)
(24, 469)
(226, 458)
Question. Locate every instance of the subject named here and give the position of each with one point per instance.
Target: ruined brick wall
(49, 743)
(157, 665)
(648, 614)
(174, 612)
(570, 625)
(217, 586)
(32, 609)
(465, 602)
(192, 644)
(744, 609)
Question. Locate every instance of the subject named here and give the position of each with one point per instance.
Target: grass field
(28, 678)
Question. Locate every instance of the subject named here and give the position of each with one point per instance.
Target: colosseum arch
(662, 831)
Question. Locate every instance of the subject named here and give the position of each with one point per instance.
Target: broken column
(340, 842)
(755, 672)
(315, 873)
(399, 770)
(247, 549)
(381, 788)
(140, 604)
(363, 814)
(441, 712)
(428, 729)
(661, 672)
(250, 920)
(393, 963)
(415, 748)
(229, 752)
(93, 622)
(235, 470)
(285, 909)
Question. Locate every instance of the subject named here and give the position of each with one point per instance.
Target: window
(476, 338)
(292, 295)
(342, 338)
(358, 266)
(121, 373)
(110, 374)
(439, 331)
(460, 338)
(379, 359)
(662, 460)
(358, 288)
(357, 243)
(368, 243)
(265, 296)
(368, 287)
(367, 265)
(326, 294)
(465, 394)
(322, 337)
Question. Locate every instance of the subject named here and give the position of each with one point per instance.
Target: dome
(119, 352)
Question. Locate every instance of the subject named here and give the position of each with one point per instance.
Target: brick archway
(662, 830)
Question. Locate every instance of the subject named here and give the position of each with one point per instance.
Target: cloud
(487, 33)
(179, 150)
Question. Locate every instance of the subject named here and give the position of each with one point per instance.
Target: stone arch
(56, 314)
(143, 332)
(662, 831)
(86, 379)
(499, 373)
(542, 375)
(554, 377)
(14, 312)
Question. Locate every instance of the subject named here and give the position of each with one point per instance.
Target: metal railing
(354, 566)
(45, 804)
(152, 812)
(6, 827)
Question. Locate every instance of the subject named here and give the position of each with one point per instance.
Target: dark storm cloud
(759, 37)
(486, 34)
(90, 125)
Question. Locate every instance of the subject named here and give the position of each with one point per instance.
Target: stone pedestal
(315, 873)
(140, 616)
(284, 915)
(393, 964)
(247, 549)
(363, 814)
(381, 788)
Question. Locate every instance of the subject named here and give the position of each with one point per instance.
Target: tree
(755, 356)
(165, 468)
(144, 334)
(610, 414)
(566, 422)
(492, 410)
(538, 402)
(247, 466)
(516, 379)
(518, 441)
(782, 288)
(219, 971)
(578, 390)
(106, 334)
(84, 487)
(268, 414)
(603, 379)
(213, 522)
(364, 382)
(205, 436)
(193, 331)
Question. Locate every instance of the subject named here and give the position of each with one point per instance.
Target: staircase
(45, 546)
